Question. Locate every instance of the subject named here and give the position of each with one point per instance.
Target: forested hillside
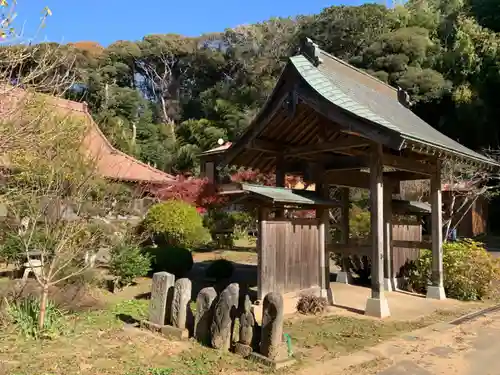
(167, 97)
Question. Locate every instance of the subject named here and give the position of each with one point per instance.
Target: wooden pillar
(324, 233)
(261, 248)
(389, 276)
(377, 305)
(344, 276)
(280, 180)
(436, 290)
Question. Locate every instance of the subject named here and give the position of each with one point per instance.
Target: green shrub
(359, 223)
(24, 313)
(172, 259)
(128, 262)
(220, 269)
(469, 270)
(176, 223)
(11, 250)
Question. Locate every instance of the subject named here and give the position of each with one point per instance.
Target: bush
(220, 269)
(174, 260)
(11, 250)
(310, 304)
(24, 314)
(469, 270)
(176, 223)
(128, 262)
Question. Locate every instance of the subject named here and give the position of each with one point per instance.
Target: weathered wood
(280, 179)
(261, 246)
(388, 266)
(437, 290)
(289, 261)
(406, 164)
(348, 121)
(337, 145)
(411, 244)
(344, 225)
(377, 221)
(351, 249)
(406, 240)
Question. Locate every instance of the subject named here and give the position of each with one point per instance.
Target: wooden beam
(406, 164)
(348, 179)
(265, 146)
(411, 244)
(346, 250)
(297, 151)
(337, 145)
(405, 176)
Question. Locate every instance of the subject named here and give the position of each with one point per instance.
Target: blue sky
(106, 21)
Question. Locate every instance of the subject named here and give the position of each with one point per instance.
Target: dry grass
(103, 341)
(325, 337)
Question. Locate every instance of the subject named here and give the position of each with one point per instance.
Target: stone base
(389, 285)
(274, 364)
(344, 277)
(242, 349)
(436, 292)
(377, 307)
(166, 330)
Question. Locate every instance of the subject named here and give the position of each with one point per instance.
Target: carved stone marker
(272, 348)
(180, 303)
(204, 314)
(247, 323)
(159, 310)
(224, 315)
(272, 326)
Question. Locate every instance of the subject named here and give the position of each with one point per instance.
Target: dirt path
(470, 348)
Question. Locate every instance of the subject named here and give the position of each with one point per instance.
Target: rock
(159, 308)
(180, 303)
(204, 314)
(271, 344)
(224, 315)
(247, 322)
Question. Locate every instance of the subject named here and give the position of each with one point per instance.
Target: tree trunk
(43, 306)
(450, 218)
(167, 119)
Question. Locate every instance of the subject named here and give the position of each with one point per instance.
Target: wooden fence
(405, 231)
(290, 255)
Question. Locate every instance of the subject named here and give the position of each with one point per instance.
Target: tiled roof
(360, 96)
(284, 195)
(111, 163)
(217, 150)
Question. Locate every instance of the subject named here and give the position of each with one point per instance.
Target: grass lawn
(99, 342)
(106, 342)
(243, 251)
(326, 337)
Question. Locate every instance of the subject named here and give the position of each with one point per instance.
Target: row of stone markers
(213, 325)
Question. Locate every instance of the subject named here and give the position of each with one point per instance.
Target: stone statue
(180, 303)
(271, 344)
(224, 315)
(247, 322)
(159, 308)
(204, 314)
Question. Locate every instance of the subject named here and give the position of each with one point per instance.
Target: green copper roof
(287, 196)
(367, 103)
